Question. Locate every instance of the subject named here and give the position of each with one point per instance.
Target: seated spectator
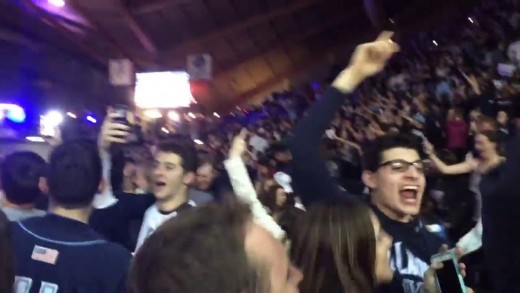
(23, 178)
(213, 249)
(6, 255)
(59, 252)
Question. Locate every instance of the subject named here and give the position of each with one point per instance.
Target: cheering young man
(174, 171)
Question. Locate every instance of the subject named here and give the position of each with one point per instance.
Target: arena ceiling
(256, 45)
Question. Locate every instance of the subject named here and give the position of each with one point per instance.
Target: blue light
(16, 114)
(91, 119)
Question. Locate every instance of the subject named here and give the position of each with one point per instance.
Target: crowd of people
(410, 151)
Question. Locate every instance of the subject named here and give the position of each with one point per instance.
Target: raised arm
(310, 177)
(244, 189)
(469, 165)
(110, 133)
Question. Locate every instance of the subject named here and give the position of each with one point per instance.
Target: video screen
(163, 90)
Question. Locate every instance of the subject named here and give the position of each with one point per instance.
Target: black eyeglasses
(402, 166)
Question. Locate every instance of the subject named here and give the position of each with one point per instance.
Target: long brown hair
(6, 255)
(334, 246)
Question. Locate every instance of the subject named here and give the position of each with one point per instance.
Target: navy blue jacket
(56, 254)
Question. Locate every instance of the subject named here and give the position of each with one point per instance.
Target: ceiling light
(35, 139)
(91, 119)
(152, 114)
(57, 3)
(198, 141)
(216, 115)
(71, 115)
(174, 116)
(435, 43)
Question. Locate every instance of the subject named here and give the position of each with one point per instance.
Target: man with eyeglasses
(392, 170)
(394, 173)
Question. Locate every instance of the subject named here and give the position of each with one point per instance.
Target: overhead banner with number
(121, 72)
(200, 67)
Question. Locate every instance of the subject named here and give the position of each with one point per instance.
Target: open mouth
(160, 184)
(409, 193)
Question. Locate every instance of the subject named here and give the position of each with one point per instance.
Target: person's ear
(43, 186)
(189, 178)
(369, 179)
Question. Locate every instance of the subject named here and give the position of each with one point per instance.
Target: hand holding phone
(449, 273)
(114, 130)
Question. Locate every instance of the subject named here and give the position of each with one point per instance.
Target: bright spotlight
(35, 139)
(470, 19)
(192, 115)
(216, 115)
(198, 141)
(152, 114)
(435, 43)
(53, 118)
(174, 116)
(91, 119)
(165, 130)
(57, 3)
(71, 115)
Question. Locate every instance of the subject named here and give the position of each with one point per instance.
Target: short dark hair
(202, 250)
(20, 176)
(373, 156)
(7, 255)
(184, 147)
(74, 174)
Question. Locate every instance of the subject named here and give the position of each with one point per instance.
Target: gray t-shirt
(14, 214)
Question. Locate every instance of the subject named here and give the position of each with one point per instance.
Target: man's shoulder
(200, 197)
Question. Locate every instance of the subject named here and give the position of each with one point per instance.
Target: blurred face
(483, 145)
(398, 185)
(383, 273)
(140, 180)
(502, 117)
(281, 197)
(170, 179)
(205, 177)
(262, 247)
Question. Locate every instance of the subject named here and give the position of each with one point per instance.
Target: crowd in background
(451, 96)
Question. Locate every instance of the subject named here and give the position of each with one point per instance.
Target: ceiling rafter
(293, 70)
(287, 42)
(138, 31)
(97, 27)
(66, 33)
(182, 49)
(148, 6)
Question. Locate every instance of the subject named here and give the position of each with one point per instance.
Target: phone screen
(448, 278)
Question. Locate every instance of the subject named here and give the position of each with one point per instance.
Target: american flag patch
(45, 255)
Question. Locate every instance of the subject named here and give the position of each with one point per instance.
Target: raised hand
(370, 58)
(112, 132)
(239, 145)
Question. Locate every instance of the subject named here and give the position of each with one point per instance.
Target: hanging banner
(121, 72)
(200, 67)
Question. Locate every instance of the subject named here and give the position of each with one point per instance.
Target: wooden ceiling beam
(103, 60)
(148, 6)
(138, 31)
(179, 51)
(286, 42)
(292, 71)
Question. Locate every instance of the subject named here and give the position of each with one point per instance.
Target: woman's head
(275, 197)
(341, 247)
(6, 255)
(487, 143)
